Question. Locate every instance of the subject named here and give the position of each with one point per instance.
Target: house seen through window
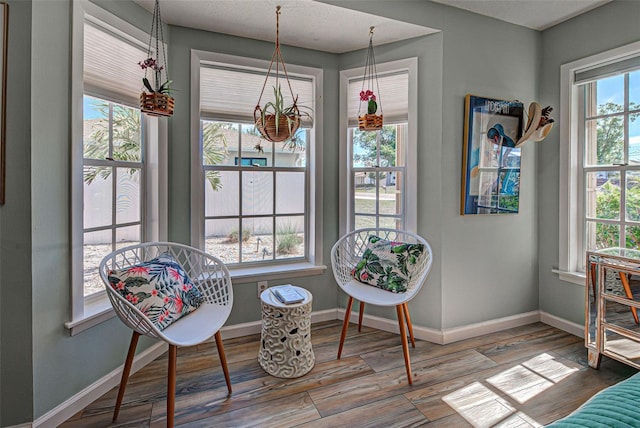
(381, 179)
(255, 193)
(259, 201)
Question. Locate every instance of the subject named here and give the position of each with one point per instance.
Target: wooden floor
(525, 376)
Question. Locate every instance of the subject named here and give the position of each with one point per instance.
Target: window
(611, 161)
(601, 115)
(115, 148)
(257, 202)
(113, 176)
(381, 165)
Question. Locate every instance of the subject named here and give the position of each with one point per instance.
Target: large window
(378, 177)
(601, 163)
(257, 200)
(611, 161)
(113, 176)
(254, 206)
(115, 155)
(380, 182)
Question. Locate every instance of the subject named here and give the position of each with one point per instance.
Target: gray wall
(62, 365)
(608, 27)
(485, 267)
(16, 386)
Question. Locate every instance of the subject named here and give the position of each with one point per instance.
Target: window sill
(99, 309)
(573, 277)
(268, 273)
(95, 312)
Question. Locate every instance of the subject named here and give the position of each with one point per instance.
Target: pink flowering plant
(153, 64)
(370, 98)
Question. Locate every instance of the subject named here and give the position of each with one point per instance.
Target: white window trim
(571, 208)
(411, 180)
(277, 271)
(92, 310)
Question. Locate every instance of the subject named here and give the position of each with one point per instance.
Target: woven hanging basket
(154, 100)
(286, 128)
(370, 122)
(289, 118)
(156, 104)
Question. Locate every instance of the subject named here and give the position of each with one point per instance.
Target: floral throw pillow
(159, 288)
(387, 265)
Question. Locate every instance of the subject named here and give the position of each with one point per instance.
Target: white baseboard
(562, 324)
(456, 334)
(391, 325)
(74, 404)
(254, 327)
(442, 337)
(82, 399)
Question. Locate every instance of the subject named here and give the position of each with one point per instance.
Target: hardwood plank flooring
(525, 376)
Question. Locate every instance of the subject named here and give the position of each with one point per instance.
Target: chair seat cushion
(198, 326)
(387, 264)
(160, 288)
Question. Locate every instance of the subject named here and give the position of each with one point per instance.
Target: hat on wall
(539, 124)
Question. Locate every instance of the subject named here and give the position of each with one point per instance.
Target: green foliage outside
(287, 239)
(609, 150)
(127, 142)
(367, 141)
(233, 236)
(214, 150)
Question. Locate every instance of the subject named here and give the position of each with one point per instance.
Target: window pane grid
(378, 171)
(270, 223)
(611, 184)
(113, 192)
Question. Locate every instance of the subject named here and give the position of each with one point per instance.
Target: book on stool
(287, 294)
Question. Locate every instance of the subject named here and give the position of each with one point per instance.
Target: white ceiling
(535, 14)
(304, 23)
(316, 25)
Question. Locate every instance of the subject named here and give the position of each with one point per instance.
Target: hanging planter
(155, 99)
(370, 121)
(275, 121)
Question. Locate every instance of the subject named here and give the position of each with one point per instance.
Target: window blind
(393, 96)
(231, 94)
(111, 67)
(608, 69)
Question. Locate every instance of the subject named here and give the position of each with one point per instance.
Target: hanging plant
(276, 121)
(370, 121)
(155, 99)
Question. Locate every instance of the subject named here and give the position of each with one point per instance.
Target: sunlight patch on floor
(482, 407)
(546, 365)
(520, 383)
(478, 405)
(519, 420)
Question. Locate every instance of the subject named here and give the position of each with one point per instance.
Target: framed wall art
(490, 159)
(4, 31)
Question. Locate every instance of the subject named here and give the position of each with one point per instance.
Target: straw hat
(535, 113)
(533, 130)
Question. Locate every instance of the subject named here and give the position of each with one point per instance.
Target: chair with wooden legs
(345, 256)
(211, 278)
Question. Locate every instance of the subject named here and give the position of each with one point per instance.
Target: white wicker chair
(212, 279)
(346, 254)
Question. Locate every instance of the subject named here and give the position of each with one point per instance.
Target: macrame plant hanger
(277, 127)
(370, 121)
(157, 101)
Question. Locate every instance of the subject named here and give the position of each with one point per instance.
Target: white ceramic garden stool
(285, 348)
